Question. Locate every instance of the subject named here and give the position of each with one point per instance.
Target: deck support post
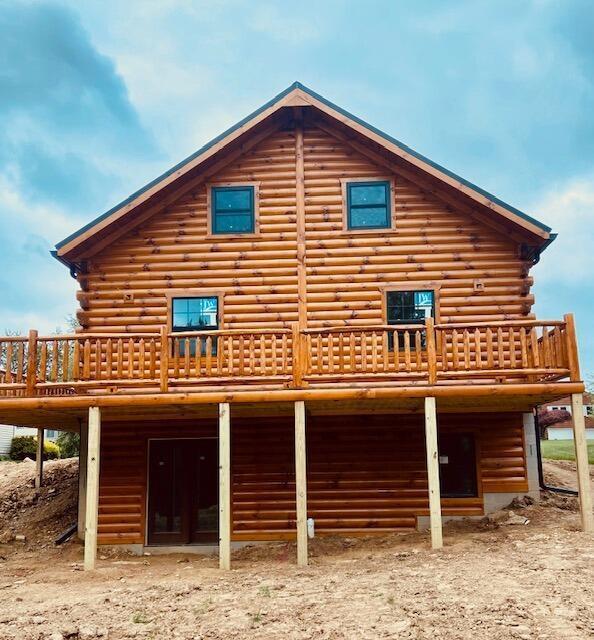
(92, 497)
(39, 458)
(301, 483)
(581, 459)
(433, 473)
(224, 486)
(82, 478)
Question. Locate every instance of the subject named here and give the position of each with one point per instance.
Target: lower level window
(409, 307)
(200, 313)
(457, 465)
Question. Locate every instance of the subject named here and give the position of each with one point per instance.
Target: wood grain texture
(359, 479)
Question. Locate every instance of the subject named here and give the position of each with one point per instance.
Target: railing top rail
(377, 327)
(502, 323)
(14, 338)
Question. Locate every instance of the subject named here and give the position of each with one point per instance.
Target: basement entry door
(183, 500)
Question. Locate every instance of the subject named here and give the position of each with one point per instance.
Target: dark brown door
(183, 501)
(457, 465)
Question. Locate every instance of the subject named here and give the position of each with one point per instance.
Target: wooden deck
(495, 353)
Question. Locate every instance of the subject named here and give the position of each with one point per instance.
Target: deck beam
(92, 497)
(581, 458)
(301, 483)
(224, 486)
(433, 473)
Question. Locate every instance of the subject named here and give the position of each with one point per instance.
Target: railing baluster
(175, 356)
(241, 355)
(374, 352)
(120, 359)
(141, 359)
(466, 338)
(500, 356)
(208, 356)
(523, 348)
(8, 372)
(187, 355)
(55, 361)
(489, 347)
(98, 359)
(534, 346)
(153, 359)
(43, 362)
(131, 357)
(108, 359)
(274, 355)
(385, 353)
(76, 360)
(407, 351)
(478, 356)
(66, 361)
(285, 364)
(455, 352)
(512, 348)
(198, 365)
(86, 360)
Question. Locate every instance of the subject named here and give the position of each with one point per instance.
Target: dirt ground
(533, 581)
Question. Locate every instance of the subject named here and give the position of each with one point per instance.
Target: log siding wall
(365, 473)
(126, 284)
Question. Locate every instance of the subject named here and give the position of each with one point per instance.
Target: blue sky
(97, 98)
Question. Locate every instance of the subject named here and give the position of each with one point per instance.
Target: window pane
(180, 305)
(368, 194)
(369, 217)
(233, 199)
(409, 306)
(180, 320)
(233, 223)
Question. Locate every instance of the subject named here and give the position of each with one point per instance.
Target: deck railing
(499, 352)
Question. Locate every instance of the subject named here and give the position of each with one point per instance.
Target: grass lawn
(563, 450)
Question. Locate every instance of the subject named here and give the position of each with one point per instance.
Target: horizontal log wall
(127, 282)
(430, 243)
(365, 473)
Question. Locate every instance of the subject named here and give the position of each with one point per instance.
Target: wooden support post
(301, 483)
(433, 473)
(82, 479)
(32, 362)
(39, 458)
(164, 360)
(573, 360)
(431, 351)
(92, 506)
(224, 486)
(581, 459)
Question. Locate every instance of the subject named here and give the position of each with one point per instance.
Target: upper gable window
(233, 210)
(368, 205)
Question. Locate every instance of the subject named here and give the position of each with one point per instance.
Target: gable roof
(299, 95)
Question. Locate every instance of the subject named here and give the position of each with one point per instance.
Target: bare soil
(533, 581)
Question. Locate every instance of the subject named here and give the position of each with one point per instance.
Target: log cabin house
(305, 319)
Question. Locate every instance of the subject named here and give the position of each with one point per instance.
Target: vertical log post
(581, 458)
(82, 478)
(164, 360)
(301, 483)
(297, 356)
(431, 351)
(92, 502)
(39, 458)
(433, 473)
(32, 362)
(573, 362)
(224, 486)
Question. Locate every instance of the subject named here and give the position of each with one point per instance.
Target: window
(457, 465)
(232, 210)
(195, 314)
(409, 307)
(589, 410)
(368, 205)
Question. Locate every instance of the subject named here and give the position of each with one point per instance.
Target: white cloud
(569, 209)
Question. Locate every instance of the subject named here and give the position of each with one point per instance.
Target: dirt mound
(38, 514)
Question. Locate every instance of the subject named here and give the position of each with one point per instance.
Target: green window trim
(233, 210)
(369, 205)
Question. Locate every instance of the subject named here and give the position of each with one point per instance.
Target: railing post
(164, 360)
(573, 361)
(431, 352)
(32, 362)
(297, 356)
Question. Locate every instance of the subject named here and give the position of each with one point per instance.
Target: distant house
(8, 432)
(564, 430)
